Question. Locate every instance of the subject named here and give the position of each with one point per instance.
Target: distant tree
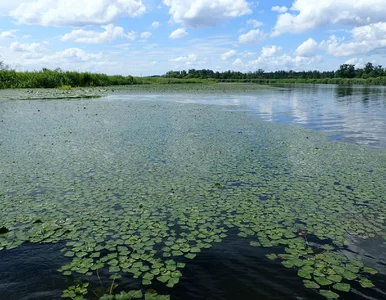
(369, 68)
(3, 65)
(346, 71)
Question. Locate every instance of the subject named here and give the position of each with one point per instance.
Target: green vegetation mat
(140, 188)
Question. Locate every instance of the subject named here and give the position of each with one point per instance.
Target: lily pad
(342, 287)
(329, 294)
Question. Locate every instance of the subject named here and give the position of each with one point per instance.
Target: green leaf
(271, 256)
(310, 284)
(304, 274)
(329, 294)
(254, 244)
(163, 278)
(349, 275)
(369, 270)
(366, 283)
(342, 287)
(135, 294)
(335, 278)
(322, 281)
(190, 256)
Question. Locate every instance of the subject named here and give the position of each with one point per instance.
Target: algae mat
(138, 190)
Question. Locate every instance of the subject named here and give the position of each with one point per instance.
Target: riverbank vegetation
(46, 78)
(346, 74)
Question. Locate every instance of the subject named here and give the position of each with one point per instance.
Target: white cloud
(228, 55)
(280, 9)
(146, 35)
(188, 60)
(28, 51)
(74, 55)
(270, 51)
(34, 47)
(247, 54)
(76, 12)
(178, 33)
(254, 23)
(315, 13)
(370, 32)
(357, 62)
(308, 48)
(282, 62)
(8, 34)
(238, 63)
(155, 25)
(95, 37)
(203, 13)
(252, 37)
(366, 39)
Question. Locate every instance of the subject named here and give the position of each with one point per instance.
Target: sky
(151, 37)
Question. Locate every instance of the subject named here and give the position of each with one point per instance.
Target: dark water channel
(230, 269)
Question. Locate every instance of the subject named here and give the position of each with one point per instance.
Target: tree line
(46, 78)
(344, 71)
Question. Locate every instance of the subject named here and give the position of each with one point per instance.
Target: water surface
(135, 174)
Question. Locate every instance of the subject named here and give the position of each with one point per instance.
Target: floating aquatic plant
(140, 190)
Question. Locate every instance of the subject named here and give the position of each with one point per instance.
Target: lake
(225, 191)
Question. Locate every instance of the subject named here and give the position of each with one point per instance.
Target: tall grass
(57, 78)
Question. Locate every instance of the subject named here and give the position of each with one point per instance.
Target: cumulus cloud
(188, 60)
(370, 32)
(33, 47)
(74, 55)
(308, 48)
(247, 54)
(282, 62)
(228, 55)
(238, 63)
(358, 62)
(204, 13)
(270, 51)
(178, 33)
(315, 13)
(254, 23)
(155, 25)
(28, 51)
(67, 12)
(8, 34)
(95, 37)
(280, 9)
(252, 37)
(365, 39)
(146, 35)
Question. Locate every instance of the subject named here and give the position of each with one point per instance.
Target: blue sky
(148, 37)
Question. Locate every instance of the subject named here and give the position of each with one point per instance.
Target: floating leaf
(322, 281)
(370, 271)
(271, 256)
(335, 278)
(254, 244)
(190, 255)
(329, 294)
(342, 287)
(366, 283)
(304, 274)
(310, 284)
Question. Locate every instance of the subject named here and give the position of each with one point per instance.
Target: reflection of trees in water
(344, 91)
(347, 93)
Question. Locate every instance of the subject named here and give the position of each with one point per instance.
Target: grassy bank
(60, 79)
(356, 81)
(67, 80)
